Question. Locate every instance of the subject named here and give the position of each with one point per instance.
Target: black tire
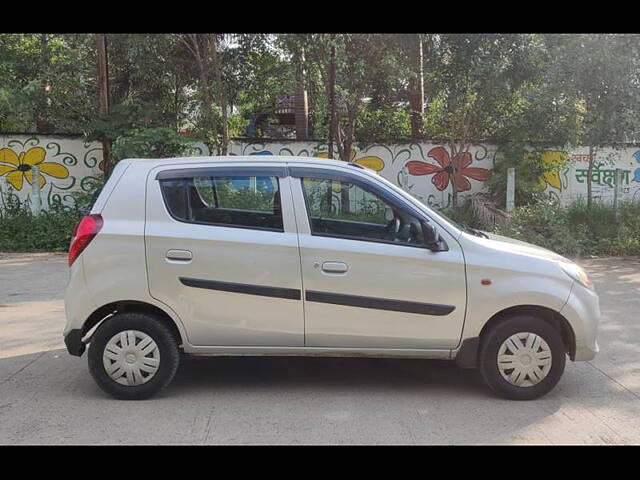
(158, 331)
(490, 345)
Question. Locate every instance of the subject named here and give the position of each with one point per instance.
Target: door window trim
(239, 171)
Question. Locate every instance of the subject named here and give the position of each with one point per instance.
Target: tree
(203, 48)
(602, 88)
(480, 81)
(47, 82)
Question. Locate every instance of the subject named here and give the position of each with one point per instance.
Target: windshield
(464, 227)
(436, 213)
(438, 216)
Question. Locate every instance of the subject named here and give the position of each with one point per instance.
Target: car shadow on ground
(326, 373)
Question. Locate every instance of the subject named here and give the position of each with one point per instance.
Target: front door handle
(179, 255)
(335, 267)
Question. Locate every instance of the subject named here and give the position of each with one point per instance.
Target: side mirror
(431, 239)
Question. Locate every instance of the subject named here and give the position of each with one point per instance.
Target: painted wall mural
(569, 182)
(423, 169)
(66, 165)
(426, 170)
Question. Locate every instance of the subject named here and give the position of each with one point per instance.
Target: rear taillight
(87, 228)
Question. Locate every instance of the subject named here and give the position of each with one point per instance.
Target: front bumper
(74, 343)
(582, 311)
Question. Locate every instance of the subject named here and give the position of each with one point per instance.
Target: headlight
(577, 273)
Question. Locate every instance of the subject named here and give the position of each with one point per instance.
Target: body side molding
(379, 303)
(264, 291)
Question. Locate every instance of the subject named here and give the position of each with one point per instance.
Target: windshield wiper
(475, 232)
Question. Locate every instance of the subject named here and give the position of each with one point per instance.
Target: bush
(545, 224)
(152, 143)
(530, 166)
(21, 231)
(576, 230)
(463, 214)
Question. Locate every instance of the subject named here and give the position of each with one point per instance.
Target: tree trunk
(103, 89)
(332, 95)
(589, 172)
(301, 108)
(222, 96)
(416, 91)
(41, 106)
(203, 49)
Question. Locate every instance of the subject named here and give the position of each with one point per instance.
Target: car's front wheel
(522, 357)
(133, 356)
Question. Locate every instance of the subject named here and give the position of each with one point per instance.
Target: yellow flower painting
(374, 163)
(552, 160)
(19, 167)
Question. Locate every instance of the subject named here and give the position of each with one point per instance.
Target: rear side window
(230, 200)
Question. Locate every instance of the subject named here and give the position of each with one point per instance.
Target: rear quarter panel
(114, 262)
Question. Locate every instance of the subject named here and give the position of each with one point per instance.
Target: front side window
(348, 210)
(229, 200)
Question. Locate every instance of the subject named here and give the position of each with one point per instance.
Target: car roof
(273, 159)
(237, 158)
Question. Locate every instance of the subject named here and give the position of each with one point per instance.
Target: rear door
(369, 282)
(222, 252)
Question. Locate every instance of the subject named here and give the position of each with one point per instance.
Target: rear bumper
(78, 306)
(74, 343)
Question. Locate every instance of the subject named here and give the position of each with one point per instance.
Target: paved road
(47, 396)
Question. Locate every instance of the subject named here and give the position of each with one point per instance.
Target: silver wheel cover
(131, 358)
(524, 359)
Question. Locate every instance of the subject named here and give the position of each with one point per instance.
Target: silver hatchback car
(308, 256)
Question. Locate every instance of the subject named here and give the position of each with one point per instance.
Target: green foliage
(51, 230)
(545, 224)
(462, 215)
(226, 195)
(21, 231)
(237, 126)
(577, 230)
(380, 125)
(529, 166)
(244, 198)
(478, 83)
(123, 118)
(83, 201)
(152, 143)
(46, 82)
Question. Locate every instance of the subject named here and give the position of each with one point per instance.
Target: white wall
(413, 166)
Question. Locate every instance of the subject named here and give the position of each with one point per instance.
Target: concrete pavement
(47, 396)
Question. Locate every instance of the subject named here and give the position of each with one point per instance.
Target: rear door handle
(179, 255)
(335, 267)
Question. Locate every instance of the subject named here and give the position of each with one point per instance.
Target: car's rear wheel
(133, 356)
(522, 358)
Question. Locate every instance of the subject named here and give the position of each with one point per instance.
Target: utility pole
(103, 89)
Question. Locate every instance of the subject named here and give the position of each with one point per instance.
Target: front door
(369, 282)
(222, 252)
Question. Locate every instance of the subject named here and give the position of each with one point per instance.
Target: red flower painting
(456, 170)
